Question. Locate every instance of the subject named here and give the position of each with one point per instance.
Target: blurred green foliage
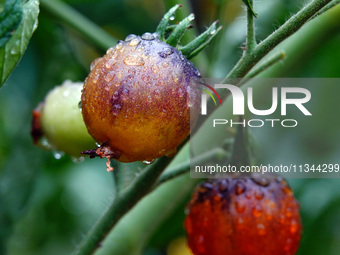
(46, 205)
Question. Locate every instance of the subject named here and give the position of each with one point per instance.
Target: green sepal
(199, 43)
(179, 31)
(160, 30)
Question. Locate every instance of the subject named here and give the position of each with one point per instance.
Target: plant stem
(216, 153)
(326, 8)
(121, 205)
(251, 38)
(80, 23)
(248, 61)
(270, 61)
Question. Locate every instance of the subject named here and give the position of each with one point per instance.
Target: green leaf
(13, 50)
(10, 19)
(250, 7)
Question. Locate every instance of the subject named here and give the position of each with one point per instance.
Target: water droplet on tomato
(134, 42)
(110, 63)
(258, 194)
(132, 60)
(240, 207)
(109, 76)
(239, 188)
(109, 50)
(94, 62)
(148, 36)
(155, 68)
(130, 37)
(257, 211)
(119, 46)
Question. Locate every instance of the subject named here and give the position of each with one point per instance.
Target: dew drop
(14, 51)
(110, 63)
(145, 77)
(109, 77)
(148, 36)
(261, 181)
(288, 245)
(134, 41)
(58, 154)
(109, 50)
(114, 55)
(157, 92)
(269, 217)
(239, 188)
(180, 92)
(120, 75)
(223, 185)
(155, 68)
(287, 190)
(167, 51)
(175, 79)
(189, 104)
(213, 32)
(200, 245)
(160, 81)
(77, 159)
(293, 226)
(125, 94)
(147, 162)
(45, 143)
(79, 105)
(115, 95)
(261, 229)
(94, 62)
(95, 78)
(162, 152)
(133, 61)
(132, 71)
(116, 109)
(289, 212)
(257, 211)
(240, 207)
(240, 221)
(119, 46)
(130, 37)
(258, 194)
(172, 18)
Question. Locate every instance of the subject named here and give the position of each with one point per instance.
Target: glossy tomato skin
(243, 216)
(138, 98)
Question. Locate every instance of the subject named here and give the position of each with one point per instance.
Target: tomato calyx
(103, 151)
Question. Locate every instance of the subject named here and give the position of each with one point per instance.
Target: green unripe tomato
(62, 122)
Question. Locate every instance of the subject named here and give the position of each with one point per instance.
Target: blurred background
(48, 204)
